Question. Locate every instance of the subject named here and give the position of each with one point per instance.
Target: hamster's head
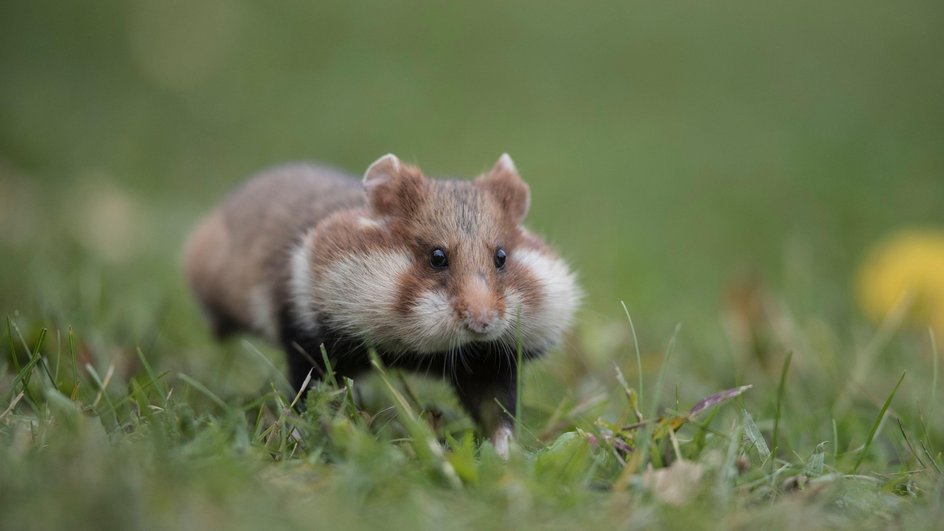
(433, 265)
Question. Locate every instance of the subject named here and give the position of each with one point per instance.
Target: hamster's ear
(507, 187)
(392, 187)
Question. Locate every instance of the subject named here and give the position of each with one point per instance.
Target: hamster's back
(236, 253)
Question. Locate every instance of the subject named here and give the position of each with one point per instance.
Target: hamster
(437, 276)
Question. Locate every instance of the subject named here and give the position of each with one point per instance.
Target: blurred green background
(673, 148)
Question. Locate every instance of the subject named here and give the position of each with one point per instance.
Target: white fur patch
(431, 326)
(501, 440)
(365, 222)
(359, 294)
(543, 325)
(301, 286)
(505, 162)
(261, 312)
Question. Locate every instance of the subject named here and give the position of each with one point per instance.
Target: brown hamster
(438, 276)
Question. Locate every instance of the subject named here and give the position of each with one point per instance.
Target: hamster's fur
(438, 276)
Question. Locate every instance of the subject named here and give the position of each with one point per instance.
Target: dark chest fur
(480, 373)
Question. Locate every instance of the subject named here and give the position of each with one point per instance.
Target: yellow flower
(908, 264)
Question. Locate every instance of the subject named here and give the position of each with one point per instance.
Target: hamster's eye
(500, 258)
(438, 258)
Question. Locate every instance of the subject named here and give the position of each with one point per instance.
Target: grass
(157, 448)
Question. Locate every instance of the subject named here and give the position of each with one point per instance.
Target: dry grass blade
(755, 436)
(717, 398)
(12, 405)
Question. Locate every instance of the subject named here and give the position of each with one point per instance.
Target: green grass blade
(277, 374)
(835, 440)
(775, 440)
(878, 421)
(643, 449)
(155, 381)
(12, 346)
(660, 379)
(703, 428)
(329, 371)
(42, 361)
(934, 370)
(75, 359)
(424, 441)
(632, 328)
(519, 377)
(203, 390)
(24, 376)
(58, 359)
(103, 391)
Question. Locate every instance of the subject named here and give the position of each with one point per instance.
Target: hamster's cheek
(432, 323)
(431, 309)
(544, 294)
(359, 292)
(371, 276)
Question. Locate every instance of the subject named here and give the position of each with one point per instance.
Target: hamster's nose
(480, 321)
(477, 306)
